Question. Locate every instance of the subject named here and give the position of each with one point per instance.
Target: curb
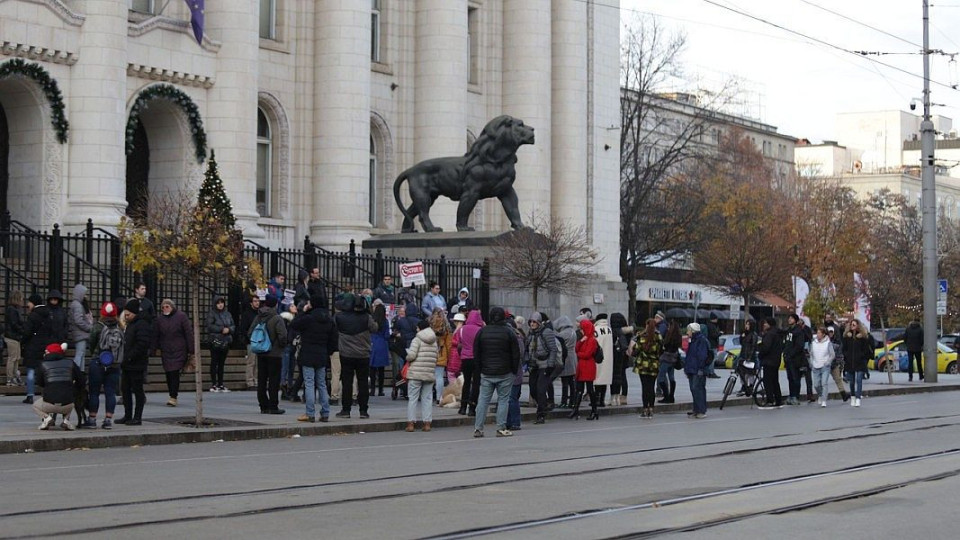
(304, 430)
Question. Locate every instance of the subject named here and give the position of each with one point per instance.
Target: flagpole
(162, 9)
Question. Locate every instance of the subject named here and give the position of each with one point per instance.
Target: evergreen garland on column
(213, 196)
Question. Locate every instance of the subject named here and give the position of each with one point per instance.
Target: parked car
(946, 358)
(726, 342)
(893, 334)
(951, 340)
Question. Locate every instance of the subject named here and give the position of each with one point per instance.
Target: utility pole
(929, 201)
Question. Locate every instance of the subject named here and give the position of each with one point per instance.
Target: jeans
(821, 381)
(665, 375)
(81, 347)
(109, 379)
(268, 382)
(503, 384)
(513, 413)
(355, 369)
(838, 379)
(315, 379)
(793, 378)
(422, 392)
(218, 358)
(698, 389)
(856, 384)
(287, 367)
(439, 373)
(31, 378)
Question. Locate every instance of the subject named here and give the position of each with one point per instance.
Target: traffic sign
(941, 307)
(942, 287)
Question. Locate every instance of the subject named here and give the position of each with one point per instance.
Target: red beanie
(108, 309)
(54, 348)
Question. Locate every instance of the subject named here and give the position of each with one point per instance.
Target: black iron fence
(38, 261)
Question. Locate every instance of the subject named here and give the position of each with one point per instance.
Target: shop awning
(773, 300)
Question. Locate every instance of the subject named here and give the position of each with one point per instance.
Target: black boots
(664, 391)
(575, 414)
(601, 395)
(668, 392)
(463, 408)
(595, 401)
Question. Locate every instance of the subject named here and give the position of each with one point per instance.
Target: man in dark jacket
(695, 366)
(137, 338)
(269, 363)
(318, 338)
(386, 292)
(712, 331)
(61, 380)
(354, 325)
(769, 352)
(243, 330)
(793, 341)
(913, 336)
(46, 324)
(497, 354)
(315, 285)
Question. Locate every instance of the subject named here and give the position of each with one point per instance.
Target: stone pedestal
(453, 245)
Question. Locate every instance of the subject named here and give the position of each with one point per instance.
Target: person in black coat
(913, 338)
(793, 340)
(857, 347)
(497, 354)
(137, 338)
(318, 338)
(46, 324)
(250, 312)
(769, 351)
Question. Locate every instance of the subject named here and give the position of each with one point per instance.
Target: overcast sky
(798, 84)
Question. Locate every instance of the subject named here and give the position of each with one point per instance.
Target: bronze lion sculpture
(487, 170)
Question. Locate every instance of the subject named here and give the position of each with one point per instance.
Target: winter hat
(108, 309)
(460, 317)
(35, 299)
(133, 306)
(693, 327)
(535, 317)
(54, 348)
(271, 301)
(660, 315)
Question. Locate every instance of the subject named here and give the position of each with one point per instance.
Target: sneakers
(66, 426)
(324, 418)
(478, 434)
(45, 423)
(306, 418)
(767, 407)
(224, 389)
(107, 424)
(853, 402)
(172, 402)
(856, 402)
(215, 389)
(364, 415)
(343, 414)
(700, 415)
(88, 423)
(823, 403)
(28, 400)
(501, 433)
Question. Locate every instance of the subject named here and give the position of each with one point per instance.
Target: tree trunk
(631, 295)
(536, 291)
(198, 372)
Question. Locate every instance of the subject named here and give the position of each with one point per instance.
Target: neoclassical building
(313, 108)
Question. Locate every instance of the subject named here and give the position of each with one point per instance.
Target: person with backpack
(541, 349)
(250, 312)
(587, 349)
(46, 324)
(318, 338)
(268, 337)
(79, 323)
(568, 338)
(221, 329)
(174, 338)
(695, 367)
(137, 339)
(12, 334)
(105, 345)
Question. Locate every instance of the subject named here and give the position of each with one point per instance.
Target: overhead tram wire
(822, 42)
(865, 25)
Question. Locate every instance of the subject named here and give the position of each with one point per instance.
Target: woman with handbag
(220, 328)
(669, 361)
(646, 350)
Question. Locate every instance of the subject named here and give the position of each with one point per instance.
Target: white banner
(861, 301)
(801, 289)
(412, 274)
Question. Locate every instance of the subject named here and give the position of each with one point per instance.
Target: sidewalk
(237, 416)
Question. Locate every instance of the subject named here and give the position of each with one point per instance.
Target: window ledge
(274, 45)
(380, 67)
(474, 88)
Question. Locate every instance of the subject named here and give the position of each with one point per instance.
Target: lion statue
(487, 170)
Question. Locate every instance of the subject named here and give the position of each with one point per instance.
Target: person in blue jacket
(695, 366)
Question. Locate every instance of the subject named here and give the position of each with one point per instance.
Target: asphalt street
(885, 470)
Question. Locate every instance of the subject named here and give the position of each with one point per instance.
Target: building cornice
(170, 76)
(61, 10)
(40, 54)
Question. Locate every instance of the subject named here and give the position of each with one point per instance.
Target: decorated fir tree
(213, 197)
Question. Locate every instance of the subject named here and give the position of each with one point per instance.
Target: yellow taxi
(897, 352)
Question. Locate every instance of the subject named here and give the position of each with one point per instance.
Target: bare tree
(663, 134)
(551, 256)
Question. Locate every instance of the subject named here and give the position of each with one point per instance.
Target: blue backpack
(260, 339)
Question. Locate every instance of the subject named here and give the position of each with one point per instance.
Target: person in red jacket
(586, 369)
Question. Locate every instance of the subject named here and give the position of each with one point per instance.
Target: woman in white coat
(604, 335)
(821, 357)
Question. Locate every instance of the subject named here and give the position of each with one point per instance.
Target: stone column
(341, 149)
(440, 89)
(527, 68)
(230, 118)
(95, 110)
(569, 126)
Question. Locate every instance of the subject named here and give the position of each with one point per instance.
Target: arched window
(372, 200)
(264, 165)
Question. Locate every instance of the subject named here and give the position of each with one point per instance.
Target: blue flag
(196, 18)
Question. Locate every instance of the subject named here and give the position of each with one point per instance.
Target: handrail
(18, 274)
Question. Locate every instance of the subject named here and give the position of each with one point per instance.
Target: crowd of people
(295, 342)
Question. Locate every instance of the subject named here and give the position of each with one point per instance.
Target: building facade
(313, 108)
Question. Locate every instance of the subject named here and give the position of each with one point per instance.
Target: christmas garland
(181, 99)
(50, 89)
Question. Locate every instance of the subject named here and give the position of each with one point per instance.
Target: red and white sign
(412, 274)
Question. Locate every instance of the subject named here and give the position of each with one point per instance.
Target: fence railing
(38, 261)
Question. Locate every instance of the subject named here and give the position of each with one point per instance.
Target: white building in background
(881, 150)
(313, 108)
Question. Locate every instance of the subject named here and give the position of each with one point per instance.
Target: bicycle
(747, 372)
